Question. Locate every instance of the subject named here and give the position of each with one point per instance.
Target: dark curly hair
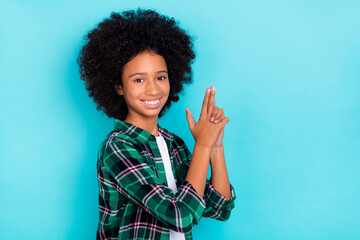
(117, 40)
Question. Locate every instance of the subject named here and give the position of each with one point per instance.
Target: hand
(205, 132)
(217, 116)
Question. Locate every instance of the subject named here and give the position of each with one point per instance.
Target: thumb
(190, 118)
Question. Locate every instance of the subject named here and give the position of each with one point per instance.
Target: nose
(152, 88)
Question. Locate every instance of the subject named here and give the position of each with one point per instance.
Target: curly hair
(117, 40)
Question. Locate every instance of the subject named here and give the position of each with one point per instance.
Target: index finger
(211, 103)
(205, 102)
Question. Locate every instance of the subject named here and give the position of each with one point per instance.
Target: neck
(148, 124)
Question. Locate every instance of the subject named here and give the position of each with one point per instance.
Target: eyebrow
(142, 73)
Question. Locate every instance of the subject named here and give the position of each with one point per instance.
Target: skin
(145, 78)
(219, 175)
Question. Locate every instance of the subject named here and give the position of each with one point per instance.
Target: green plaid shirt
(135, 201)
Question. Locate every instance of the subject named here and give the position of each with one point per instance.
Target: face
(145, 86)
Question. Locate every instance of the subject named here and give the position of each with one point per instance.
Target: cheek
(167, 87)
(133, 91)
(130, 97)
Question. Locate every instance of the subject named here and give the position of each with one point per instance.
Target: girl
(134, 65)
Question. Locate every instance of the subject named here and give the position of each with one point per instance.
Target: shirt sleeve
(138, 182)
(217, 207)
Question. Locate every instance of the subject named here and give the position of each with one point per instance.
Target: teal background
(287, 74)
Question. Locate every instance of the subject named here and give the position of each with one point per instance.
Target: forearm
(219, 174)
(198, 168)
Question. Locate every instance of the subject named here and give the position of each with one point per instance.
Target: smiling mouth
(152, 103)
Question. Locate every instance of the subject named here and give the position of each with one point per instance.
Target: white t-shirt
(170, 179)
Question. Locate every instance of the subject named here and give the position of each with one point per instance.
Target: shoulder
(118, 138)
(116, 142)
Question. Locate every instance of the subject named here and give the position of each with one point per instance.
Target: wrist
(216, 153)
(216, 149)
(203, 148)
(203, 145)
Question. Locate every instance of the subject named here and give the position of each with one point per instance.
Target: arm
(198, 168)
(205, 134)
(220, 193)
(219, 175)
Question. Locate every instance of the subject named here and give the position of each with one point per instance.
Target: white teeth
(152, 102)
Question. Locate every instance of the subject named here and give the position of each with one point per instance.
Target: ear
(119, 90)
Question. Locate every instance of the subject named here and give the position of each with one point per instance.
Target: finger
(214, 113)
(190, 119)
(205, 102)
(220, 112)
(211, 102)
(219, 119)
(225, 121)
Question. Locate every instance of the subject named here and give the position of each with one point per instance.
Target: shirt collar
(139, 133)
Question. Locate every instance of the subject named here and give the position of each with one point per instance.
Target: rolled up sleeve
(217, 206)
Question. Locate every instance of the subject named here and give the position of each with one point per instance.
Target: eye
(161, 78)
(138, 80)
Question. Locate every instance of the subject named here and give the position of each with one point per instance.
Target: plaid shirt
(135, 201)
